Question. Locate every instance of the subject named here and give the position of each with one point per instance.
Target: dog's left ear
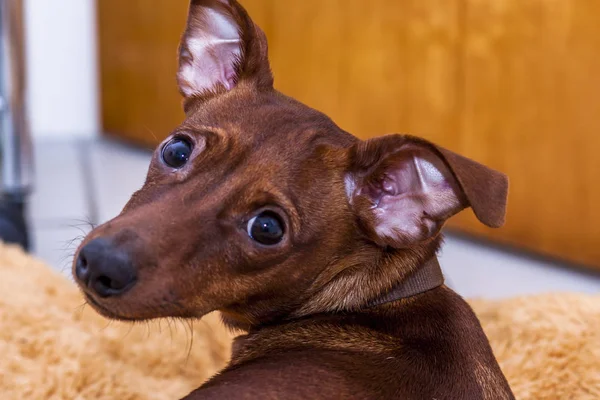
(220, 47)
(404, 188)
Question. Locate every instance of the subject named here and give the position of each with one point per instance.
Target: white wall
(61, 68)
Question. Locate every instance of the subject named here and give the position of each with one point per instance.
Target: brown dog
(320, 246)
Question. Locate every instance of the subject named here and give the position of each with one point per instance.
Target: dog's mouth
(124, 311)
(105, 311)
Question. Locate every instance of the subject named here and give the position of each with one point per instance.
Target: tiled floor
(82, 182)
(79, 184)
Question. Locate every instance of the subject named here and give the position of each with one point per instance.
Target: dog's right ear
(221, 47)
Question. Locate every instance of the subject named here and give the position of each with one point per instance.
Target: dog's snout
(104, 269)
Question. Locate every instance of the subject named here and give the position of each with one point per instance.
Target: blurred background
(513, 84)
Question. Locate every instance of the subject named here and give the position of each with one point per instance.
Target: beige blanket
(53, 348)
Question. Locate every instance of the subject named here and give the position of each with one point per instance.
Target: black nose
(104, 269)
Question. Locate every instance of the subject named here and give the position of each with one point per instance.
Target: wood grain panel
(377, 67)
(138, 42)
(531, 109)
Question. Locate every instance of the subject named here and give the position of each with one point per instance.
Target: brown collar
(427, 277)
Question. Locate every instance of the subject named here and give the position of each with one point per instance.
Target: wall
(62, 71)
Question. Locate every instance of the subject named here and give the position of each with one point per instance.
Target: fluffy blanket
(52, 347)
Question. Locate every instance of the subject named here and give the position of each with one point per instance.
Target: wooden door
(509, 83)
(137, 42)
(531, 107)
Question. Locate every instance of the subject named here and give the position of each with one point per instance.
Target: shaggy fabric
(53, 348)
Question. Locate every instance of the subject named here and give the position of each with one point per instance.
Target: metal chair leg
(15, 142)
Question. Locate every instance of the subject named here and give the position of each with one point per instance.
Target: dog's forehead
(269, 120)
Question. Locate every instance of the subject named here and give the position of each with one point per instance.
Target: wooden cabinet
(137, 41)
(531, 107)
(510, 83)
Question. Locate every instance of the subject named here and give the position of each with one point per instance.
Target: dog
(319, 246)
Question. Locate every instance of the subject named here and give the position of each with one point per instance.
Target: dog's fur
(359, 218)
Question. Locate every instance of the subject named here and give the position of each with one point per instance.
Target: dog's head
(262, 208)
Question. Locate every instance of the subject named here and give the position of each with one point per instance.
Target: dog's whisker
(79, 310)
(170, 330)
(85, 222)
(67, 259)
(151, 132)
(71, 245)
(191, 326)
(131, 326)
(108, 323)
(147, 329)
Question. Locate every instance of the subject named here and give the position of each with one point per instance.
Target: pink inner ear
(212, 47)
(413, 197)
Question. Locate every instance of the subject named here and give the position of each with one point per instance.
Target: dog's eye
(266, 228)
(177, 152)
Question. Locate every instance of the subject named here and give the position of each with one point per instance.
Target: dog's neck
(426, 278)
(271, 336)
